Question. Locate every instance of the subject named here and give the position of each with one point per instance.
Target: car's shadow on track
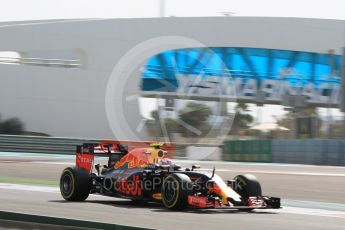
(119, 203)
(216, 211)
(157, 207)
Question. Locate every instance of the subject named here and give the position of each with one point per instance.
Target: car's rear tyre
(75, 184)
(175, 191)
(246, 186)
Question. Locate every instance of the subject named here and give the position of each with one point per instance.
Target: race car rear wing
(103, 148)
(86, 152)
(113, 149)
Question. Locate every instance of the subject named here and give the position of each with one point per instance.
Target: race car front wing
(261, 202)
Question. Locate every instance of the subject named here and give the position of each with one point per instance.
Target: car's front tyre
(247, 185)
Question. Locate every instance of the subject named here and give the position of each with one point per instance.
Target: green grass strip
(28, 181)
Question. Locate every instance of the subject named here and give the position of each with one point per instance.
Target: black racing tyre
(75, 184)
(175, 191)
(247, 185)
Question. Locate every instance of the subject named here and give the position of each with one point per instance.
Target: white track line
(285, 209)
(310, 212)
(33, 188)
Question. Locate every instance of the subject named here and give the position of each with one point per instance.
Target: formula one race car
(147, 174)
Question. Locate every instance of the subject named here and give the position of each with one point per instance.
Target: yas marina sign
(253, 90)
(252, 75)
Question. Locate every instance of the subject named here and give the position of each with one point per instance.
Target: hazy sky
(14, 10)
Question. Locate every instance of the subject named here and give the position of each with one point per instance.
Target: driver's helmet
(166, 161)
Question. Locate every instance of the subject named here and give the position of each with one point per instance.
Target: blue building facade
(296, 67)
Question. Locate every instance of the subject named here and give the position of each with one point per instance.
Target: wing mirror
(195, 167)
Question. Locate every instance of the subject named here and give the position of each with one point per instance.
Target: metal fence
(310, 151)
(32, 144)
(56, 145)
(247, 151)
(306, 151)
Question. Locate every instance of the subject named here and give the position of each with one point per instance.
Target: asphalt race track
(313, 197)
